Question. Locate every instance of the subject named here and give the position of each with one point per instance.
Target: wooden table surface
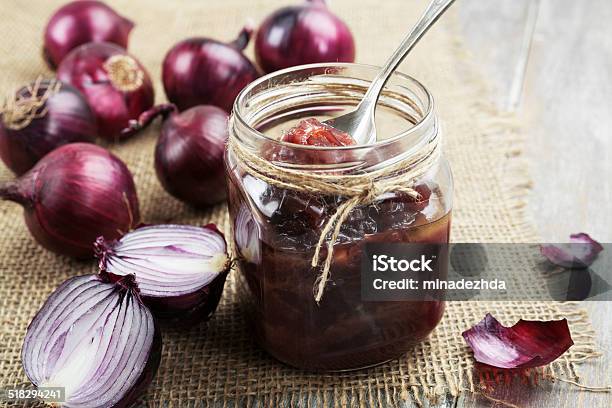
(550, 61)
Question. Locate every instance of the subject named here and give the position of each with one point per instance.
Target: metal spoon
(359, 123)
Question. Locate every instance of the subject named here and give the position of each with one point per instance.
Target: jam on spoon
(311, 132)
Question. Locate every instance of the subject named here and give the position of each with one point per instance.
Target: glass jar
(276, 228)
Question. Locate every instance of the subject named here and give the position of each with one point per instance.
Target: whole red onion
(180, 269)
(42, 116)
(73, 195)
(202, 71)
(81, 22)
(94, 338)
(116, 85)
(189, 152)
(304, 34)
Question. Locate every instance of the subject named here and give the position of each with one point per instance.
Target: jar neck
(309, 90)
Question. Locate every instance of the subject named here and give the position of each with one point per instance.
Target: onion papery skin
(81, 22)
(302, 34)
(180, 269)
(59, 115)
(189, 155)
(117, 86)
(73, 195)
(203, 71)
(527, 344)
(579, 253)
(107, 328)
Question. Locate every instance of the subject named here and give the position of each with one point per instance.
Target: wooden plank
(494, 34)
(565, 108)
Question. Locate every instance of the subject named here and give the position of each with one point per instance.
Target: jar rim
(241, 101)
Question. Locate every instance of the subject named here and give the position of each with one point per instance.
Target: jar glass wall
(276, 229)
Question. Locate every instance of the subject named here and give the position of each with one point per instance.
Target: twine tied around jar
(359, 189)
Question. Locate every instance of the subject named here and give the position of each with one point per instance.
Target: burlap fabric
(218, 363)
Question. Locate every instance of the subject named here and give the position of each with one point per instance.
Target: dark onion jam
(342, 332)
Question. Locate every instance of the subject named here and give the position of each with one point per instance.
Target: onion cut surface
(178, 268)
(96, 339)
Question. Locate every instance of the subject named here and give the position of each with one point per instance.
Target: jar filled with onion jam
(302, 214)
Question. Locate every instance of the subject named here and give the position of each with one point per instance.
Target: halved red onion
(527, 344)
(96, 339)
(580, 252)
(246, 232)
(180, 269)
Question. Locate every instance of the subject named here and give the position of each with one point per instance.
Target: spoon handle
(435, 9)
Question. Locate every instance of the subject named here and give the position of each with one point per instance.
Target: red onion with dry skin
(189, 152)
(203, 71)
(304, 34)
(81, 22)
(116, 85)
(40, 117)
(180, 269)
(73, 195)
(96, 339)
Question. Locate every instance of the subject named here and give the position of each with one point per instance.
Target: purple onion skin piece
(302, 34)
(180, 270)
(59, 115)
(122, 350)
(203, 71)
(73, 195)
(579, 253)
(117, 87)
(81, 22)
(189, 155)
(527, 344)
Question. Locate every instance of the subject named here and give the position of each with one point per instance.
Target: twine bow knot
(336, 221)
(359, 189)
